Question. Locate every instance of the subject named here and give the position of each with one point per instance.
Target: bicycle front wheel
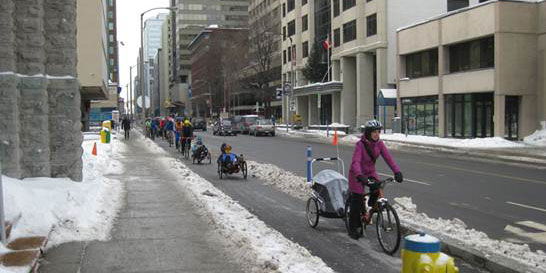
(388, 229)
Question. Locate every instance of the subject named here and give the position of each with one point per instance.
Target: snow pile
(538, 137)
(259, 245)
(283, 180)
(70, 210)
(488, 142)
(457, 231)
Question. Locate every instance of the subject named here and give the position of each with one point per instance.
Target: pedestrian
(362, 171)
(126, 126)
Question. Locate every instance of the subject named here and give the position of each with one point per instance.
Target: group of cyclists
(176, 130)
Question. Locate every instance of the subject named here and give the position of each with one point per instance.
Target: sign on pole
(292, 105)
(279, 93)
(286, 88)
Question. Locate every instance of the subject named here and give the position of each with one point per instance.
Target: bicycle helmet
(187, 123)
(370, 126)
(228, 149)
(199, 141)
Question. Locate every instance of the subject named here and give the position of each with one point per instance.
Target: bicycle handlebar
(381, 183)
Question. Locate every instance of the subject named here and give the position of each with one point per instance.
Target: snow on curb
(454, 229)
(261, 245)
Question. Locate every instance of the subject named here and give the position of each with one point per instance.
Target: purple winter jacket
(363, 165)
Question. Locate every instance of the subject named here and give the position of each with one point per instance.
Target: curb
(475, 257)
(509, 157)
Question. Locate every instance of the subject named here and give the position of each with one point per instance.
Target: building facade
(459, 80)
(93, 58)
(217, 55)
(151, 44)
(362, 53)
(113, 48)
(193, 16)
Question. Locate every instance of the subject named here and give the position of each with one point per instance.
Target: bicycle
(386, 219)
(185, 146)
(170, 138)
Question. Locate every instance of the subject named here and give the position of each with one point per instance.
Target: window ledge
(470, 70)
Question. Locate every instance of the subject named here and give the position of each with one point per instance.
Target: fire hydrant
(105, 135)
(421, 254)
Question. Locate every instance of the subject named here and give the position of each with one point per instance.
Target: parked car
(223, 128)
(246, 121)
(199, 123)
(262, 127)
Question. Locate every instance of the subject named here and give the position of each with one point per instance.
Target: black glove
(398, 177)
(362, 180)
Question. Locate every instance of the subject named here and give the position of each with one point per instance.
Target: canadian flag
(326, 44)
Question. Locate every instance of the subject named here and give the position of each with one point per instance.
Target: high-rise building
(192, 17)
(265, 56)
(152, 42)
(113, 50)
(363, 54)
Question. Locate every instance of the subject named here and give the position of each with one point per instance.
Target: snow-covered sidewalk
(252, 240)
(62, 208)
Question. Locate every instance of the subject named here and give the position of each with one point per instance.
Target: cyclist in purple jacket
(363, 170)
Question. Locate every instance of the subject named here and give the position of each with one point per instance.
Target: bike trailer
(331, 189)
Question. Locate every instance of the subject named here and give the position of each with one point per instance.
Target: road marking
(526, 206)
(406, 179)
(539, 237)
(487, 173)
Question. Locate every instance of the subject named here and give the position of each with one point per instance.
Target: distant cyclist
(362, 170)
(187, 134)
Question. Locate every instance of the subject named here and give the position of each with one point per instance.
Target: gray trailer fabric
(333, 188)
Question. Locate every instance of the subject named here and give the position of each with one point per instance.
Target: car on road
(223, 128)
(199, 123)
(246, 121)
(262, 127)
(236, 124)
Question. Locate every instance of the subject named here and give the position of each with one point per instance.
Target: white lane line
(406, 179)
(526, 206)
(532, 224)
(539, 237)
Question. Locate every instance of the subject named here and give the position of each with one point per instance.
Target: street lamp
(142, 55)
(209, 94)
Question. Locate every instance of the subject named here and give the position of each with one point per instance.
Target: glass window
(472, 55)
(422, 64)
(284, 33)
(110, 26)
(284, 56)
(289, 53)
(303, 2)
(291, 4)
(420, 115)
(291, 28)
(469, 115)
(349, 31)
(111, 38)
(305, 49)
(347, 4)
(336, 7)
(283, 9)
(456, 4)
(337, 38)
(110, 14)
(304, 24)
(371, 25)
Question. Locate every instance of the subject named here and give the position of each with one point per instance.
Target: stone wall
(40, 128)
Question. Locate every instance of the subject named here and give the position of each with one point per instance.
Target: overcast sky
(128, 23)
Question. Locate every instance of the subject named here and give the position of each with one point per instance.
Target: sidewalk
(158, 229)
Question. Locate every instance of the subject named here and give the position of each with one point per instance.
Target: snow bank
(457, 231)
(537, 138)
(454, 229)
(488, 142)
(265, 248)
(70, 210)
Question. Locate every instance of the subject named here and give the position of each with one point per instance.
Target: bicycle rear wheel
(312, 212)
(388, 229)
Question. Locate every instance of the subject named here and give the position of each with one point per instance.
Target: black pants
(356, 208)
(127, 134)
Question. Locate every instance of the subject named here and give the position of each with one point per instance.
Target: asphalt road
(286, 214)
(504, 200)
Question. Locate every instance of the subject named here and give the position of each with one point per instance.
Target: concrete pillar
(348, 95)
(442, 54)
(60, 42)
(382, 73)
(336, 73)
(313, 110)
(498, 116)
(336, 106)
(441, 116)
(7, 38)
(365, 91)
(303, 108)
(30, 40)
(528, 122)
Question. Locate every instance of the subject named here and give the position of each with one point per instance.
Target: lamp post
(142, 55)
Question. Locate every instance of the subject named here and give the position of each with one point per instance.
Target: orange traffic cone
(335, 138)
(94, 152)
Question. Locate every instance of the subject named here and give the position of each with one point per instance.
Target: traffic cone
(94, 152)
(335, 138)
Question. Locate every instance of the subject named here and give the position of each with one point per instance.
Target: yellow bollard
(102, 136)
(421, 254)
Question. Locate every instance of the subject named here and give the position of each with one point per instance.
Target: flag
(94, 152)
(326, 44)
(335, 138)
